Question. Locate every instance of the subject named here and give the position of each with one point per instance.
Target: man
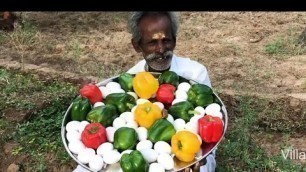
(154, 35)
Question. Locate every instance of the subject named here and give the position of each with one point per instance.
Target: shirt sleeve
(200, 73)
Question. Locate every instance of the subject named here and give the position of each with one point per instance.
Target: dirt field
(254, 53)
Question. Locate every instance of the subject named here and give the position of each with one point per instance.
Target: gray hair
(136, 16)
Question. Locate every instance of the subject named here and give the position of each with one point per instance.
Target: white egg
(104, 147)
(199, 138)
(132, 124)
(113, 86)
(110, 131)
(185, 86)
(166, 161)
(111, 157)
(212, 109)
(218, 114)
(180, 94)
(156, 167)
(104, 91)
(179, 124)
(119, 122)
(141, 101)
(96, 163)
(177, 100)
(195, 119)
(73, 135)
(199, 153)
(128, 116)
(150, 155)
(85, 155)
(76, 146)
(200, 110)
(133, 94)
(162, 147)
(193, 127)
(128, 151)
(116, 90)
(142, 133)
(72, 125)
(160, 105)
(82, 126)
(170, 118)
(133, 109)
(145, 144)
(97, 104)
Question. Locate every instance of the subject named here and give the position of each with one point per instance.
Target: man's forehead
(159, 35)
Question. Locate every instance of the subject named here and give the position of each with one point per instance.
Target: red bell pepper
(93, 135)
(165, 93)
(92, 92)
(210, 128)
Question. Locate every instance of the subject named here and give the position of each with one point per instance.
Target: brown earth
(232, 45)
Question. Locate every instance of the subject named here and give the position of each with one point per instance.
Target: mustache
(154, 56)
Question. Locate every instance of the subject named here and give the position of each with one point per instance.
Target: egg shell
(85, 155)
(141, 101)
(160, 105)
(156, 167)
(218, 114)
(82, 126)
(104, 91)
(170, 118)
(200, 110)
(162, 147)
(104, 147)
(212, 108)
(177, 100)
(73, 135)
(128, 116)
(181, 94)
(145, 144)
(195, 119)
(116, 90)
(72, 125)
(119, 122)
(193, 127)
(166, 161)
(150, 155)
(133, 94)
(110, 132)
(184, 86)
(112, 86)
(179, 124)
(96, 163)
(97, 104)
(128, 151)
(132, 124)
(111, 157)
(133, 109)
(142, 133)
(76, 146)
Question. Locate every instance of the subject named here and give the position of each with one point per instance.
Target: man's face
(157, 42)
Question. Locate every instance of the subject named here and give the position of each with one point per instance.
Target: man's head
(154, 35)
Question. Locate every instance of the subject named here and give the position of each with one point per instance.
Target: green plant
(276, 47)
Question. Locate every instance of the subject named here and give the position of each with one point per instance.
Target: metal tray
(178, 165)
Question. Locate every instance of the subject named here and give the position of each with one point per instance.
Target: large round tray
(178, 165)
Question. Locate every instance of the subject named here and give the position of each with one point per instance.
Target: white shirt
(184, 67)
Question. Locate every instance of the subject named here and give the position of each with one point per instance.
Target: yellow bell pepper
(146, 114)
(185, 145)
(145, 85)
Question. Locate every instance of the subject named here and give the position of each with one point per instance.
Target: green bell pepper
(161, 130)
(124, 102)
(134, 162)
(184, 110)
(200, 95)
(126, 81)
(169, 77)
(103, 114)
(80, 108)
(125, 138)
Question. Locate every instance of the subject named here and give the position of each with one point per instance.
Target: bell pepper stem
(194, 112)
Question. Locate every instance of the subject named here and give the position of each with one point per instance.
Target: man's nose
(161, 47)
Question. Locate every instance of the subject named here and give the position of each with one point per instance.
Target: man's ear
(136, 46)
